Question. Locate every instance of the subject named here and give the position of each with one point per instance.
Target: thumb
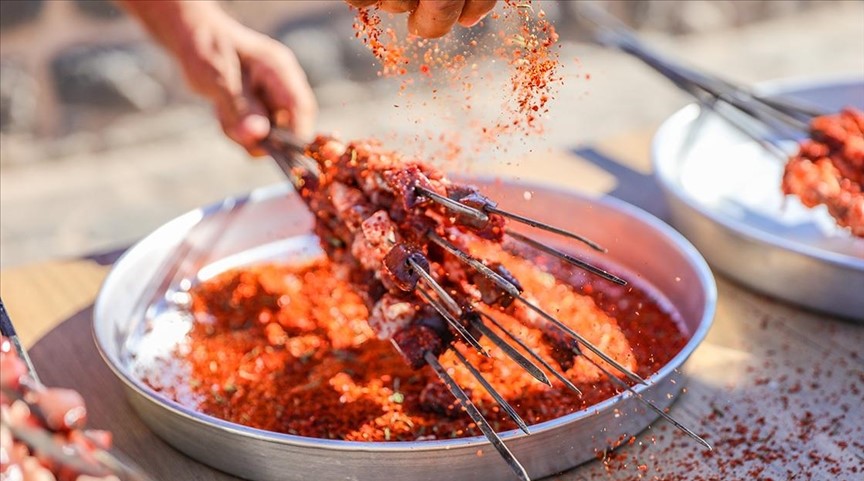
(244, 120)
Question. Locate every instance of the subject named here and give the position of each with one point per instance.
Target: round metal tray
(273, 220)
(724, 194)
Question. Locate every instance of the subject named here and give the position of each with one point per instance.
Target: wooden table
(779, 391)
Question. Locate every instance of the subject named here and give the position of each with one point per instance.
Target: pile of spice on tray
(829, 168)
(42, 435)
(286, 348)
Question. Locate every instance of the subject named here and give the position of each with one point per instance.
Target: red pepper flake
(526, 41)
(316, 369)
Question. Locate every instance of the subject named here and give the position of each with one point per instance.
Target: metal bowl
(724, 195)
(273, 220)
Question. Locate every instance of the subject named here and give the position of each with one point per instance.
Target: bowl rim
(689, 252)
(663, 164)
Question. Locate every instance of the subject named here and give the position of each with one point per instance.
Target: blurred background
(101, 142)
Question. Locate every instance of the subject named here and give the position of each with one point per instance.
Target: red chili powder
(286, 348)
(526, 42)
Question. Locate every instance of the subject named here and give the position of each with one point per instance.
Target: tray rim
(663, 168)
(671, 368)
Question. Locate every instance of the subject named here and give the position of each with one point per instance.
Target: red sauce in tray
(286, 348)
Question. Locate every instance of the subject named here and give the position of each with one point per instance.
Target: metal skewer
(566, 257)
(549, 228)
(648, 403)
(482, 217)
(454, 205)
(476, 264)
(512, 290)
(8, 330)
(427, 278)
(508, 409)
(454, 323)
(510, 351)
(40, 441)
(477, 417)
(772, 114)
(533, 354)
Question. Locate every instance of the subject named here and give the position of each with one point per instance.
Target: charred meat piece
(490, 293)
(436, 398)
(493, 227)
(398, 265)
(350, 205)
(415, 341)
(404, 183)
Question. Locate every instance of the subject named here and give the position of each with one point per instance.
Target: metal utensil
(100, 462)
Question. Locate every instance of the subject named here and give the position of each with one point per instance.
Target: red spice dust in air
(526, 41)
(535, 65)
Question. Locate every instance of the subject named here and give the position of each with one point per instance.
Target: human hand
(252, 80)
(433, 18)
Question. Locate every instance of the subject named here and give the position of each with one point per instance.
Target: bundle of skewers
(406, 234)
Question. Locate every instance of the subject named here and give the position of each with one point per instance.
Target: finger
(398, 6)
(474, 11)
(434, 18)
(361, 3)
(246, 128)
(285, 92)
(244, 120)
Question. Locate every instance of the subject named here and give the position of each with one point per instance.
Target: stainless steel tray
(274, 221)
(724, 195)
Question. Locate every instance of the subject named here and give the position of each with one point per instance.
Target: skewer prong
(585, 342)
(446, 298)
(454, 323)
(533, 354)
(567, 257)
(477, 265)
(511, 352)
(453, 205)
(543, 226)
(648, 403)
(508, 409)
(477, 417)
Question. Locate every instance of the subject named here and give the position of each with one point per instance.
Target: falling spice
(525, 41)
(329, 377)
(535, 63)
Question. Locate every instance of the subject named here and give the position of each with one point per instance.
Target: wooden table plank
(38, 297)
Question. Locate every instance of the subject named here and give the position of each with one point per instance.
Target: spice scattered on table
(787, 418)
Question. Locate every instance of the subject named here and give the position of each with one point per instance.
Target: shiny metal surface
(724, 195)
(647, 249)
